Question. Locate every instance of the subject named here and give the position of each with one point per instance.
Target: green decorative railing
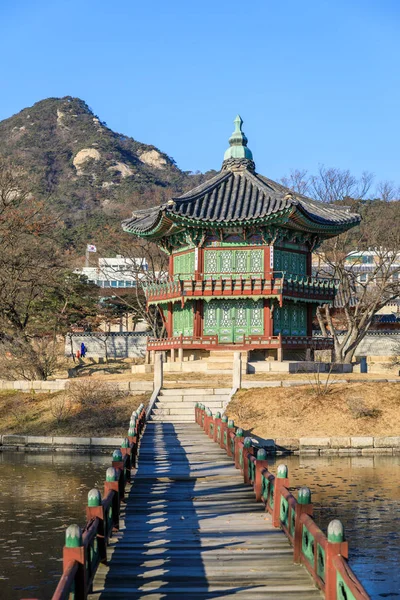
(86, 548)
(246, 284)
(324, 556)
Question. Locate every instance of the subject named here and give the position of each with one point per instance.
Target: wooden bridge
(202, 517)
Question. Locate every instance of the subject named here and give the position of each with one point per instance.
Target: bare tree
(38, 293)
(387, 191)
(363, 289)
(145, 264)
(332, 184)
(299, 181)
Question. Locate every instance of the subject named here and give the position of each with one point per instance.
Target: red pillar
(171, 265)
(197, 328)
(198, 275)
(309, 264)
(309, 319)
(169, 320)
(267, 267)
(267, 318)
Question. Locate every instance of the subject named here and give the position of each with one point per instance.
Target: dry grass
(298, 412)
(310, 376)
(38, 414)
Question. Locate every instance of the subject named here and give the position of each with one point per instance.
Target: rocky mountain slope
(88, 173)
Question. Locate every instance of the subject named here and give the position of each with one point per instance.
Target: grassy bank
(59, 414)
(345, 410)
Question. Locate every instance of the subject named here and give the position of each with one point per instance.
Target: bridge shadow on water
(162, 552)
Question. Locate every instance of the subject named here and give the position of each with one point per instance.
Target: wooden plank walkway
(191, 529)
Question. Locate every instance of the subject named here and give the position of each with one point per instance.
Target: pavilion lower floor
(235, 320)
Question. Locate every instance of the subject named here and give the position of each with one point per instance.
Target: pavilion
(240, 249)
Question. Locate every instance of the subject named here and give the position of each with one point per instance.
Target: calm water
(364, 493)
(42, 494)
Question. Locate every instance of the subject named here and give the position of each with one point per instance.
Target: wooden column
(171, 265)
(267, 267)
(197, 329)
(309, 319)
(309, 264)
(169, 320)
(198, 274)
(268, 329)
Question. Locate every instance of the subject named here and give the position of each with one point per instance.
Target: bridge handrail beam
(325, 557)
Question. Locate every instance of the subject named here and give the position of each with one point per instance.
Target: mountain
(88, 173)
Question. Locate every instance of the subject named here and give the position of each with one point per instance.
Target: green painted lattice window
(184, 264)
(182, 319)
(245, 262)
(290, 262)
(291, 319)
(232, 319)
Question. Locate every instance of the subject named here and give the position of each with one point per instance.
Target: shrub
(360, 410)
(97, 398)
(60, 407)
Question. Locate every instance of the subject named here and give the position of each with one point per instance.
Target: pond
(364, 493)
(41, 494)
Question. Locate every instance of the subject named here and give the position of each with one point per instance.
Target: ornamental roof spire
(238, 155)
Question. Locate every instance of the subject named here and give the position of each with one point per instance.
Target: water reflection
(364, 493)
(41, 494)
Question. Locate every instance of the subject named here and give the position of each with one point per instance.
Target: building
(124, 274)
(118, 272)
(240, 262)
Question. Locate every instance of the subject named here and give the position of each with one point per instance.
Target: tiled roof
(239, 195)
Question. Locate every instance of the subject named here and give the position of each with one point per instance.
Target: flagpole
(87, 256)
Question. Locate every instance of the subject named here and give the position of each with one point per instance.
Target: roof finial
(238, 150)
(238, 124)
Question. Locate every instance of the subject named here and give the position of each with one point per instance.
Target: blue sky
(315, 82)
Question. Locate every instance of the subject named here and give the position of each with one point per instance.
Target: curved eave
(216, 224)
(292, 217)
(304, 221)
(162, 226)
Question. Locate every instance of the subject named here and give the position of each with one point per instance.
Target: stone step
(173, 411)
(194, 391)
(186, 391)
(194, 399)
(187, 404)
(173, 418)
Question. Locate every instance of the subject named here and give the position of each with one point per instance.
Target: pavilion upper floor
(251, 271)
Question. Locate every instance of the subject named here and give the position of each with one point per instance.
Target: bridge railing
(324, 556)
(86, 548)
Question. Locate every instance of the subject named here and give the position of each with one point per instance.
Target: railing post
(75, 550)
(127, 451)
(211, 426)
(303, 506)
(231, 428)
(237, 371)
(118, 464)
(158, 371)
(224, 422)
(112, 483)
(281, 480)
(95, 509)
(261, 464)
(239, 436)
(217, 423)
(336, 546)
(248, 450)
(207, 422)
